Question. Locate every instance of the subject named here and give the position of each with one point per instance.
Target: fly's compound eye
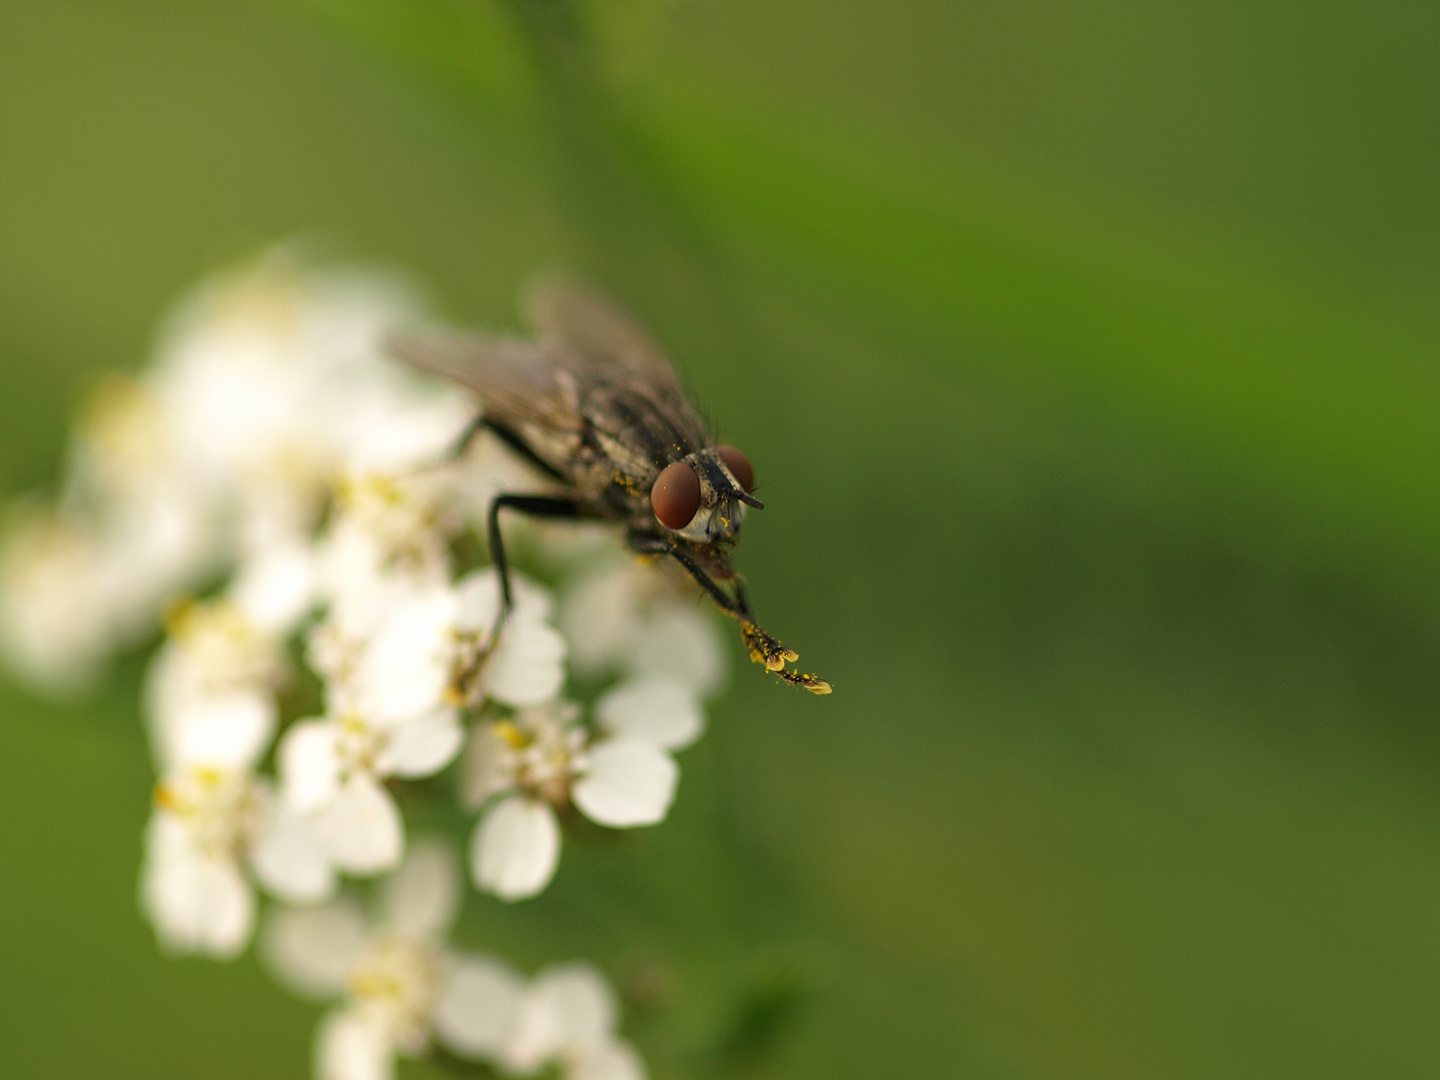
(739, 466)
(676, 495)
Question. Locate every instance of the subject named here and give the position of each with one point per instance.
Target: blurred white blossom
(210, 689)
(54, 622)
(632, 617)
(209, 824)
(212, 716)
(271, 481)
(398, 668)
(567, 1016)
(399, 987)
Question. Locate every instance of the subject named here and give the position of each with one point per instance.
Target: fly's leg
(763, 647)
(510, 438)
(464, 439)
(537, 506)
(507, 435)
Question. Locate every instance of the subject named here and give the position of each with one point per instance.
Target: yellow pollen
(165, 797)
(178, 613)
(513, 736)
(352, 724)
(373, 984)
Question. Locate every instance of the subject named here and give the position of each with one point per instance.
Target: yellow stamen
(513, 736)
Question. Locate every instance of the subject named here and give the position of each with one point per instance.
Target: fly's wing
(595, 397)
(521, 384)
(614, 350)
(589, 324)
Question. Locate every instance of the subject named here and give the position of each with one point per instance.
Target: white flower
(193, 888)
(522, 770)
(389, 717)
(400, 985)
(210, 819)
(386, 530)
(567, 1016)
(155, 520)
(630, 778)
(268, 375)
(275, 585)
(401, 988)
(268, 384)
(397, 668)
(392, 661)
(526, 665)
(212, 683)
(54, 623)
(636, 618)
(210, 696)
(332, 772)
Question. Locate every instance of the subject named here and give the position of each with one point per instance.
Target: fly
(594, 405)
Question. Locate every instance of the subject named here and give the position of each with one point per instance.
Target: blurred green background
(1088, 356)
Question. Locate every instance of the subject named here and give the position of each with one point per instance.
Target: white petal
(361, 827)
(309, 770)
(681, 642)
(565, 1008)
(290, 859)
(351, 572)
(478, 594)
(532, 601)
(477, 1009)
(612, 1059)
(420, 900)
(311, 950)
(407, 667)
(349, 1048)
(197, 903)
(276, 587)
(515, 848)
(600, 615)
(55, 627)
(629, 783)
(226, 732)
(479, 597)
(423, 746)
(488, 767)
(167, 695)
(655, 709)
(527, 666)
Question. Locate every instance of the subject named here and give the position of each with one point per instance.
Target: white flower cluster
(272, 447)
(401, 989)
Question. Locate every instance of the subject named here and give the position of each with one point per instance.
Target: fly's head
(702, 499)
(703, 496)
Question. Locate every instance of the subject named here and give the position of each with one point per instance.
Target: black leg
(504, 434)
(763, 648)
(541, 506)
(465, 438)
(647, 544)
(510, 438)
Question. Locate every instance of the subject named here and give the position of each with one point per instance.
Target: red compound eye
(676, 495)
(739, 466)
